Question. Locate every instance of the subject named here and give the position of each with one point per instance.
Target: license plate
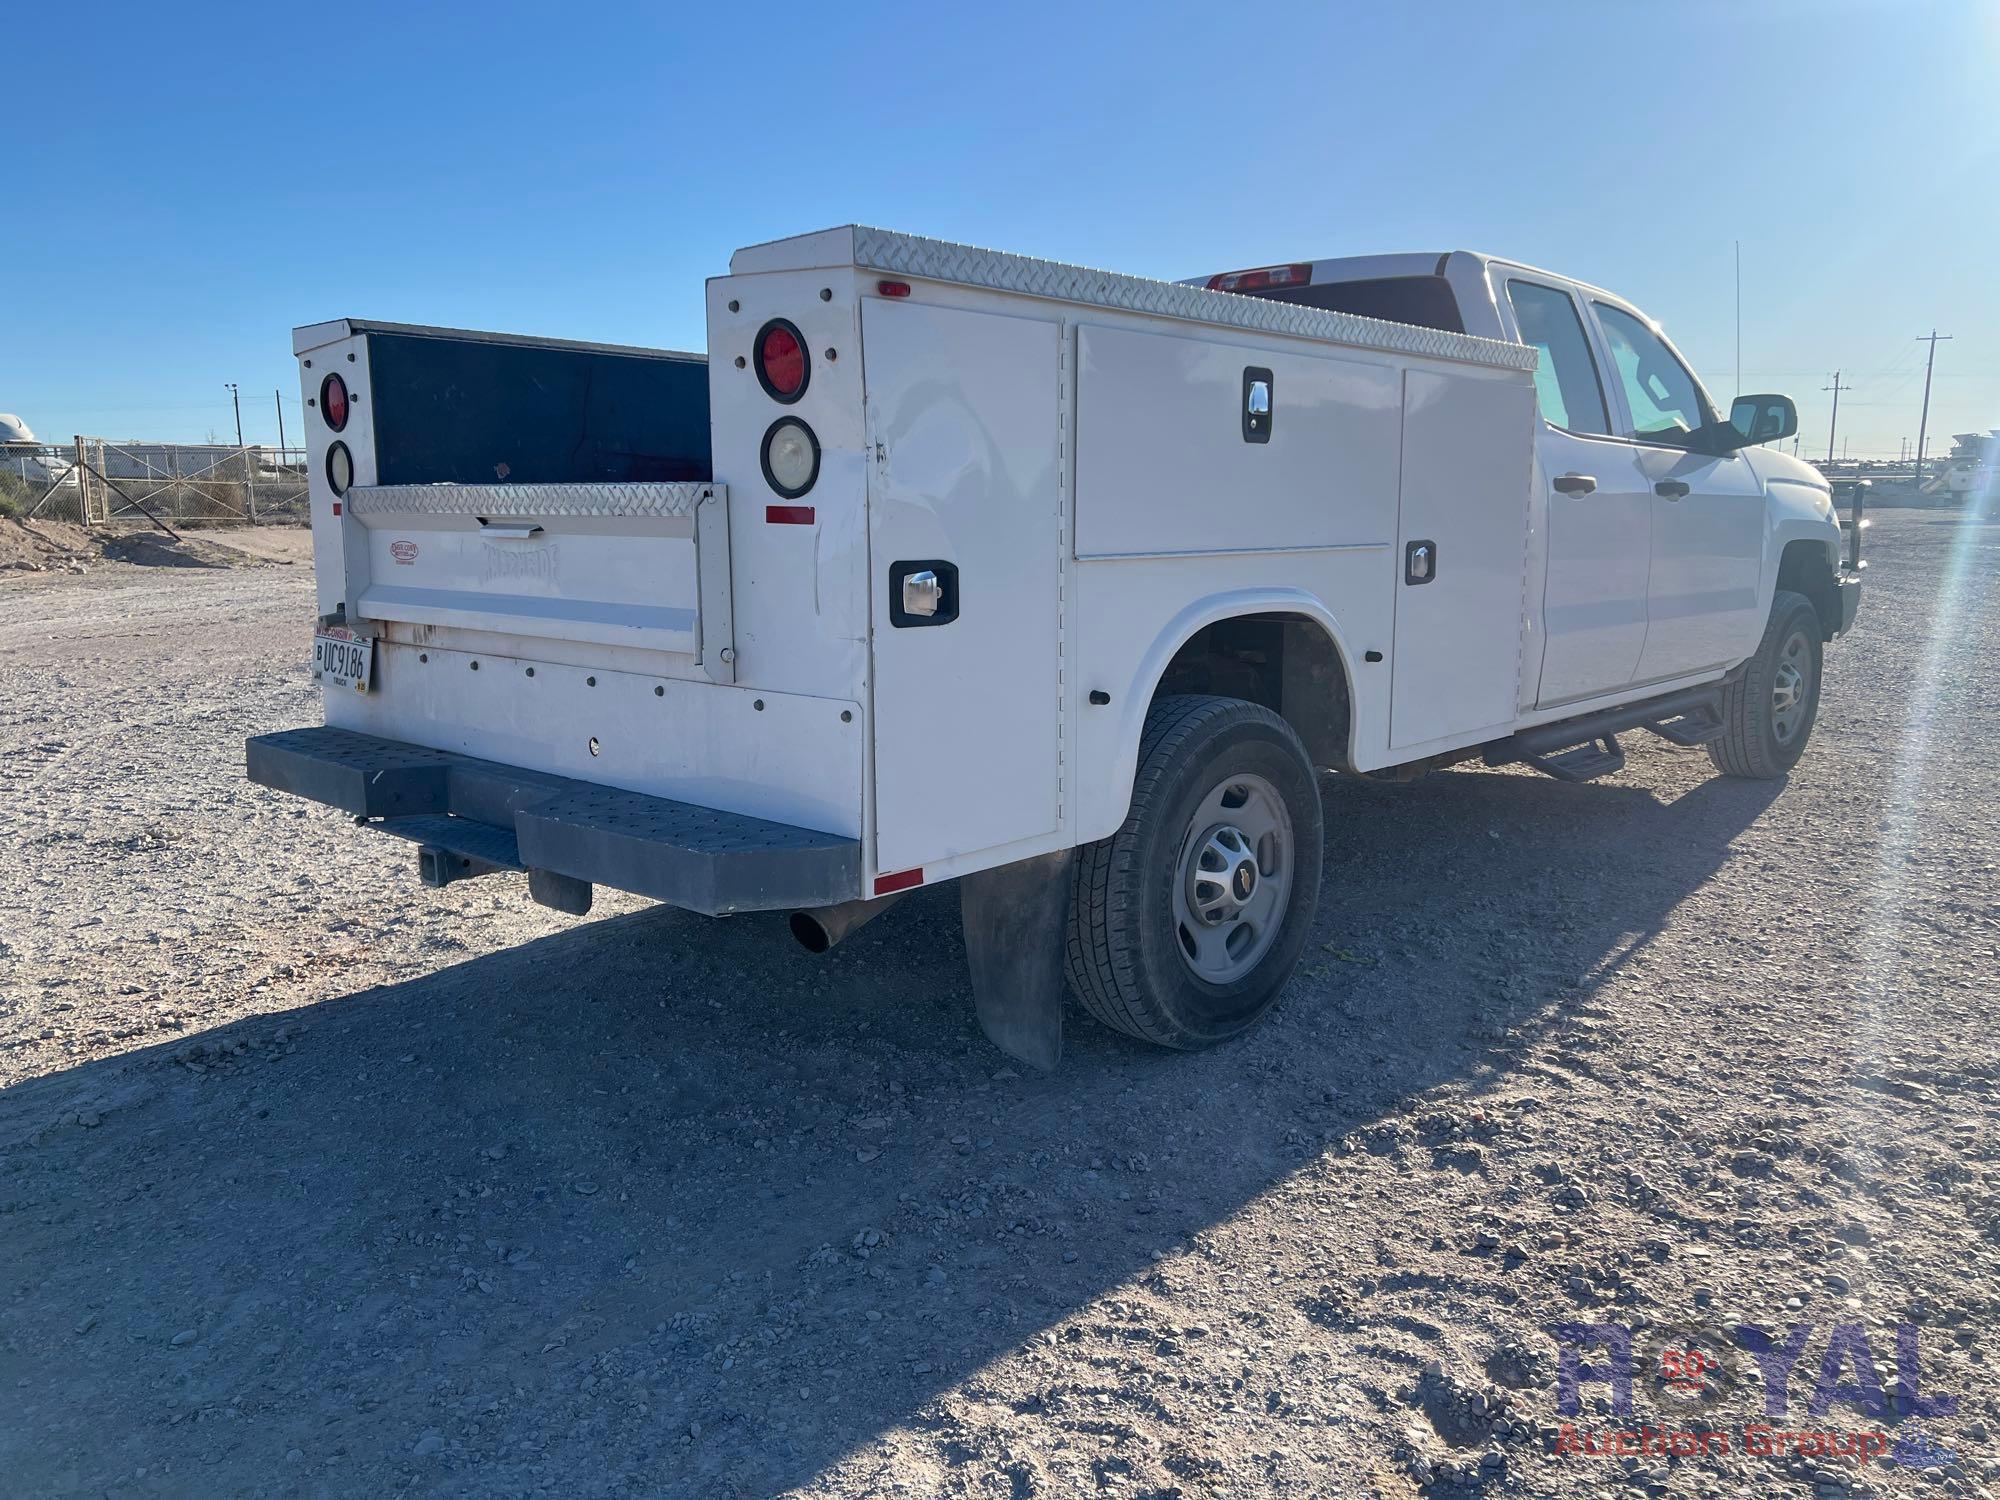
(343, 657)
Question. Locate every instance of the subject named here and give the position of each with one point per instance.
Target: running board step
(1586, 747)
(1697, 726)
(1586, 762)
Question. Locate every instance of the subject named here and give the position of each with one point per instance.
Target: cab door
(1707, 510)
(1596, 500)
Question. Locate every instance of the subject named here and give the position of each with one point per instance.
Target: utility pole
(278, 400)
(1923, 421)
(1739, 317)
(1834, 425)
(230, 385)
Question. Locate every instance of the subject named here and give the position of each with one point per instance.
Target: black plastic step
(1695, 727)
(1586, 747)
(1586, 762)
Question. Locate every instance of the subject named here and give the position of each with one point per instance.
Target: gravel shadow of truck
(661, 1205)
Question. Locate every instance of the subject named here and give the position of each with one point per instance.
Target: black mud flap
(1015, 919)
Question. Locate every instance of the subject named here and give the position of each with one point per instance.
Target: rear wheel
(1187, 921)
(1768, 712)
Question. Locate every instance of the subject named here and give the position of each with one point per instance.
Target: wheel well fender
(1279, 647)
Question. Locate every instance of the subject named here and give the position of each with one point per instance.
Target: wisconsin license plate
(343, 657)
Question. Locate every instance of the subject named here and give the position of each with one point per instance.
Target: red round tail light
(333, 402)
(782, 366)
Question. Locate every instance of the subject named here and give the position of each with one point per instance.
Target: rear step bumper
(504, 817)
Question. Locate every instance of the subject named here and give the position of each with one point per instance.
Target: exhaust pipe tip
(812, 937)
(819, 928)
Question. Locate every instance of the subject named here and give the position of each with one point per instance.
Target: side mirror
(1762, 419)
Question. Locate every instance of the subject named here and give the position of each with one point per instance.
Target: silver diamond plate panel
(940, 260)
(664, 500)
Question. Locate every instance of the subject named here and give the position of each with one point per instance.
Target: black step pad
(1586, 762)
(1696, 727)
(358, 773)
(733, 863)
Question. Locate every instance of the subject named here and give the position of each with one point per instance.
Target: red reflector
(902, 880)
(893, 288)
(1263, 278)
(789, 515)
(336, 507)
(781, 361)
(333, 402)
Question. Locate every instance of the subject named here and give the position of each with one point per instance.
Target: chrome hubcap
(1235, 873)
(1791, 687)
(1222, 876)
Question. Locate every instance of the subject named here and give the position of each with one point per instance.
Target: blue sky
(189, 183)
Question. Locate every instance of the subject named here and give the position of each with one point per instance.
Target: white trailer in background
(959, 565)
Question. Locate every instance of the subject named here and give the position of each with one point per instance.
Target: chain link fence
(94, 481)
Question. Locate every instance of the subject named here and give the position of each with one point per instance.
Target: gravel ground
(316, 1182)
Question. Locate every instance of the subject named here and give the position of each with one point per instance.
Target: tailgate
(619, 564)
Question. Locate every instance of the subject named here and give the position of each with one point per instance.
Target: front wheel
(1187, 921)
(1768, 712)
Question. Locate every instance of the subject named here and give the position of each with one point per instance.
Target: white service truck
(949, 564)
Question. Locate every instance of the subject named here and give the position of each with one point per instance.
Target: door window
(1666, 403)
(1566, 385)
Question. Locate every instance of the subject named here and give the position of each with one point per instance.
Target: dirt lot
(314, 1182)
(39, 546)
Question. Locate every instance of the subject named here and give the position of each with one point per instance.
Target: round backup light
(333, 402)
(782, 365)
(339, 468)
(791, 457)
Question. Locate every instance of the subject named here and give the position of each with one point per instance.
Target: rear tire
(1186, 922)
(1769, 711)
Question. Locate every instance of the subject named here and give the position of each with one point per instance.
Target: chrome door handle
(1575, 484)
(922, 593)
(1671, 489)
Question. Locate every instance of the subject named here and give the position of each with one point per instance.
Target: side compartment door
(1597, 501)
(964, 414)
(1461, 540)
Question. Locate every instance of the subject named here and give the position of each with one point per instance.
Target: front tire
(1769, 711)
(1186, 922)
